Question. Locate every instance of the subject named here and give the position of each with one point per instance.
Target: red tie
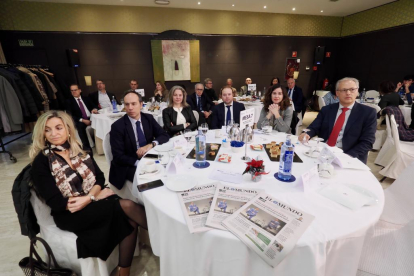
(337, 128)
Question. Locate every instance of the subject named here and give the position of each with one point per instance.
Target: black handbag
(37, 267)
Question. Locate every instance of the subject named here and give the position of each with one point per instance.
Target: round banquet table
(101, 123)
(330, 246)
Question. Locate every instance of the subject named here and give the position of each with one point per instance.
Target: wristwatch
(153, 144)
(93, 199)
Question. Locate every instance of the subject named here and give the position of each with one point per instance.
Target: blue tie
(141, 137)
(290, 93)
(199, 103)
(228, 117)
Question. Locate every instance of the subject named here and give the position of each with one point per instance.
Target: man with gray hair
(347, 124)
(201, 103)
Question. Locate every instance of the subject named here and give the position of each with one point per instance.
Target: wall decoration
(292, 65)
(294, 54)
(328, 54)
(176, 60)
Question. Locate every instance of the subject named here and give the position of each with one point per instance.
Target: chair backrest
(388, 124)
(41, 210)
(372, 94)
(107, 149)
(321, 102)
(395, 135)
(196, 115)
(398, 207)
(374, 106)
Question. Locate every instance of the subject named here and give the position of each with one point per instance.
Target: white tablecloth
(406, 111)
(101, 123)
(330, 246)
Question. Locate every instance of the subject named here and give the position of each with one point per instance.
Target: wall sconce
(296, 75)
(88, 80)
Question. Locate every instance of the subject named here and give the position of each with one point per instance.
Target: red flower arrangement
(255, 167)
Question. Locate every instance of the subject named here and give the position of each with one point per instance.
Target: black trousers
(81, 127)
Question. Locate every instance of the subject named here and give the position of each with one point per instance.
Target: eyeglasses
(352, 90)
(199, 89)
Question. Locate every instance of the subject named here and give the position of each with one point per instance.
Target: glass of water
(187, 135)
(163, 158)
(204, 128)
(266, 127)
(229, 125)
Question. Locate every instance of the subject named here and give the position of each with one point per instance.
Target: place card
(246, 118)
(251, 87)
(311, 181)
(177, 165)
(141, 92)
(347, 162)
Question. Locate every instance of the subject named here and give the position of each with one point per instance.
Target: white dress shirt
(88, 113)
(341, 133)
(104, 100)
(180, 117)
(225, 112)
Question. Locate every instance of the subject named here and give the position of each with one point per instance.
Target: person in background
(227, 110)
(295, 94)
(160, 92)
(102, 98)
(201, 103)
(405, 133)
(72, 185)
(178, 115)
(133, 85)
(388, 95)
(331, 98)
(131, 137)
(406, 88)
(209, 91)
(274, 81)
(229, 83)
(348, 125)
(81, 108)
(277, 109)
(244, 88)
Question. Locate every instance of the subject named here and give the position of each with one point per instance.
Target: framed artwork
(292, 65)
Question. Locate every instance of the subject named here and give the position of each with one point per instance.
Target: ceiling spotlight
(162, 2)
(199, 3)
(294, 9)
(321, 10)
(232, 5)
(265, 7)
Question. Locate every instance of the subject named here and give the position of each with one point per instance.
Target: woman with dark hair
(274, 81)
(277, 109)
(178, 115)
(388, 95)
(161, 92)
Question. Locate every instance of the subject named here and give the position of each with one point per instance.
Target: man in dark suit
(131, 138)
(201, 103)
(347, 124)
(227, 110)
(102, 98)
(80, 108)
(295, 94)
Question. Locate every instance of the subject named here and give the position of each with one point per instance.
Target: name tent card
(311, 181)
(246, 118)
(251, 87)
(177, 165)
(141, 92)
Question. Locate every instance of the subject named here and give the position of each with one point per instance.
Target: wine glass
(187, 135)
(266, 127)
(204, 128)
(229, 125)
(315, 150)
(163, 158)
(305, 141)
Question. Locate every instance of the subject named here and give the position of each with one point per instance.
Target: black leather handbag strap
(49, 252)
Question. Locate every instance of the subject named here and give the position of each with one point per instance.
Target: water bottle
(362, 100)
(286, 159)
(114, 106)
(200, 141)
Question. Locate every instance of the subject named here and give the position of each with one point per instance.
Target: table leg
(98, 144)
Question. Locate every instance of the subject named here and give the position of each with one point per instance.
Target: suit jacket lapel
(147, 128)
(130, 132)
(174, 116)
(352, 117)
(332, 116)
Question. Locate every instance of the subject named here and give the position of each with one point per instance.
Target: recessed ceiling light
(232, 5)
(199, 3)
(162, 2)
(265, 7)
(294, 9)
(321, 10)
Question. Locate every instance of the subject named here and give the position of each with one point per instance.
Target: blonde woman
(72, 185)
(178, 115)
(161, 92)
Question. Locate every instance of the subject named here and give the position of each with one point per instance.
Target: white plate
(164, 147)
(365, 193)
(158, 169)
(178, 183)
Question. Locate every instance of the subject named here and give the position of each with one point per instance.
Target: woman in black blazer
(388, 95)
(178, 115)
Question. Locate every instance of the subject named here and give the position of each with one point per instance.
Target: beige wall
(387, 16)
(37, 16)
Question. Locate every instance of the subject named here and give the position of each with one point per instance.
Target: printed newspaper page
(196, 204)
(226, 201)
(270, 227)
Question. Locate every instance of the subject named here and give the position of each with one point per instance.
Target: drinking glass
(316, 150)
(304, 140)
(229, 125)
(204, 128)
(187, 135)
(163, 158)
(266, 127)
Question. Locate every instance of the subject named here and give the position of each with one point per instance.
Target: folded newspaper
(270, 227)
(226, 201)
(196, 204)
